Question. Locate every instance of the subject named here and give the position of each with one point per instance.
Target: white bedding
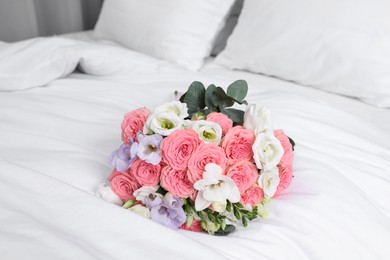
(55, 139)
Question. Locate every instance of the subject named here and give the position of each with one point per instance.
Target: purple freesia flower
(169, 213)
(149, 148)
(153, 200)
(122, 158)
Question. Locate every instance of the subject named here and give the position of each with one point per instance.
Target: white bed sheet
(378, 117)
(55, 139)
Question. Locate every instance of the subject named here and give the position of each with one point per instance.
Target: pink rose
(196, 227)
(145, 173)
(225, 122)
(285, 164)
(252, 196)
(237, 144)
(133, 123)
(176, 182)
(177, 148)
(123, 184)
(244, 174)
(287, 147)
(204, 154)
(285, 175)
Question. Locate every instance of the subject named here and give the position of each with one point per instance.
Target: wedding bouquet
(197, 163)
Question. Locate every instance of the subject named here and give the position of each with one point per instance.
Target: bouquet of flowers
(197, 163)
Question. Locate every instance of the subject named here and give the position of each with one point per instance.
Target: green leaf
(237, 116)
(244, 221)
(292, 143)
(238, 90)
(194, 97)
(208, 97)
(229, 206)
(237, 213)
(220, 99)
(128, 204)
(223, 232)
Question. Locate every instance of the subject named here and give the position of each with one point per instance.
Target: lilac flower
(149, 148)
(122, 158)
(170, 212)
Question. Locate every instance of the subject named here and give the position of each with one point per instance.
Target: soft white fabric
(54, 143)
(38, 61)
(342, 46)
(178, 31)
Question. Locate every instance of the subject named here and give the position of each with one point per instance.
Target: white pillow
(179, 31)
(341, 46)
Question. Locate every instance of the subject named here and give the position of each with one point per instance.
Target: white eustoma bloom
(269, 181)
(267, 151)
(180, 109)
(257, 118)
(209, 132)
(144, 192)
(105, 192)
(219, 206)
(141, 210)
(166, 118)
(163, 123)
(215, 187)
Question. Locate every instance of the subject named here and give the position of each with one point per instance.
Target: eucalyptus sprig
(214, 99)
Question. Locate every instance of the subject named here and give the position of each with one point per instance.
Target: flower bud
(128, 204)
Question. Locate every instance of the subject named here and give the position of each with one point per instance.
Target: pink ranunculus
(252, 196)
(176, 182)
(223, 120)
(203, 155)
(285, 175)
(145, 173)
(285, 165)
(287, 147)
(243, 173)
(133, 123)
(237, 144)
(196, 227)
(177, 148)
(123, 184)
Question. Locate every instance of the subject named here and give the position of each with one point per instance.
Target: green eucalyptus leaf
(238, 90)
(220, 99)
(223, 232)
(237, 116)
(194, 97)
(208, 97)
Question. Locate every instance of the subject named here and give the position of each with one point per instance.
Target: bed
(63, 98)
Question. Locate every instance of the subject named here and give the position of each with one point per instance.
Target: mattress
(56, 135)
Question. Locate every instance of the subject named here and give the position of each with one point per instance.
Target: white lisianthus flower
(269, 181)
(188, 123)
(180, 109)
(163, 123)
(219, 206)
(105, 192)
(257, 118)
(267, 151)
(144, 192)
(215, 187)
(208, 131)
(141, 210)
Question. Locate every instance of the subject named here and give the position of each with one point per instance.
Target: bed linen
(55, 138)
